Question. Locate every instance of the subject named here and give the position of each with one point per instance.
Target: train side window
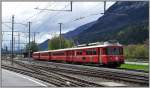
(90, 52)
(79, 52)
(87, 53)
(94, 52)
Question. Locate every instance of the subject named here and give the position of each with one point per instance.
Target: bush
(138, 52)
(33, 47)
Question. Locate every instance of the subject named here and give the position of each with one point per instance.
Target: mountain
(74, 33)
(44, 45)
(125, 21)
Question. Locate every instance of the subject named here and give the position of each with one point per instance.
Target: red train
(106, 54)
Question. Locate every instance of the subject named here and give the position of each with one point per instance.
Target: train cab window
(113, 51)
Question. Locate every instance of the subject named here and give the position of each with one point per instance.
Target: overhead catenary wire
(57, 9)
(34, 15)
(55, 15)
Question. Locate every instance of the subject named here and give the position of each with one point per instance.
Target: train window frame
(44, 54)
(88, 52)
(94, 52)
(91, 52)
(79, 52)
(113, 51)
(58, 53)
(121, 50)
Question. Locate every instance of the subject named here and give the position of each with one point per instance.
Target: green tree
(137, 52)
(54, 43)
(33, 47)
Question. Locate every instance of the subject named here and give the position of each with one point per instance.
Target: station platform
(15, 80)
(137, 63)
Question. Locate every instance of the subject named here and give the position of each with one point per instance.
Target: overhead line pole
(71, 5)
(29, 41)
(34, 37)
(19, 43)
(104, 7)
(60, 36)
(14, 45)
(12, 40)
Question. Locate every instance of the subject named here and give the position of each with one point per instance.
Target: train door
(100, 55)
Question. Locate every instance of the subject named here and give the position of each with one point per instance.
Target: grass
(135, 67)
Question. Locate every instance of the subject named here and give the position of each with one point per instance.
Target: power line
(57, 9)
(36, 14)
(57, 13)
(7, 26)
(83, 17)
(16, 23)
(20, 32)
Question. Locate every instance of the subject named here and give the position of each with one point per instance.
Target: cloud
(46, 22)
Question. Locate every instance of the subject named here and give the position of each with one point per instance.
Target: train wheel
(115, 65)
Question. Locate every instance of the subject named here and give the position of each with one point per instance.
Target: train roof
(78, 48)
(42, 51)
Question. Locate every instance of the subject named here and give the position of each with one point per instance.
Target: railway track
(57, 68)
(96, 65)
(52, 77)
(142, 79)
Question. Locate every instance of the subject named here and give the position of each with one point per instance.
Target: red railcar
(107, 54)
(36, 55)
(41, 55)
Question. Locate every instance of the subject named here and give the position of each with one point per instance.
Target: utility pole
(12, 40)
(60, 36)
(10, 48)
(104, 7)
(18, 43)
(14, 47)
(29, 40)
(34, 37)
(6, 48)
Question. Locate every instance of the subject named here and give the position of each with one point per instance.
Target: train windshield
(114, 51)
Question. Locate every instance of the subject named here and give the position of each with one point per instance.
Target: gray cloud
(46, 22)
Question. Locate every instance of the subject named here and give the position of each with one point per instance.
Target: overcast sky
(46, 22)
